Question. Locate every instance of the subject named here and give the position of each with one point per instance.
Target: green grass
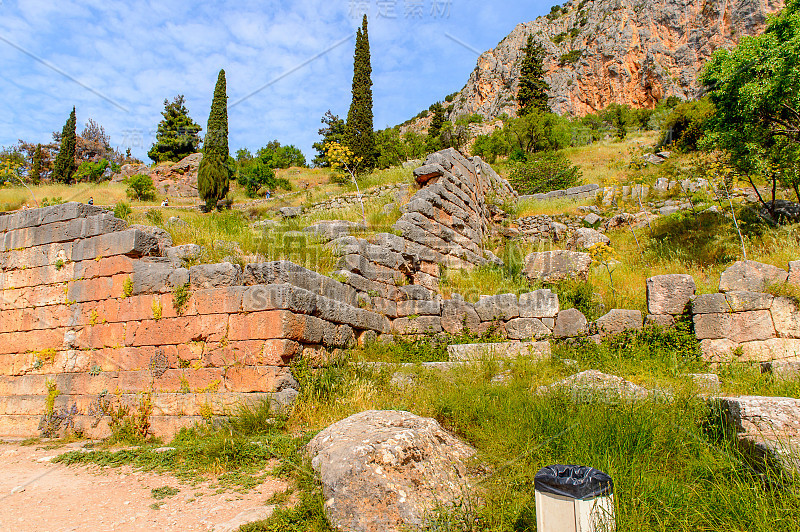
(671, 465)
(237, 454)
(671, 468)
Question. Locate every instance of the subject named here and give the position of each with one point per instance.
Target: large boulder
(385, 471)
(669, 294)
(585, 237)
(178, 179)
(557, 265)
(750, 276)
(594, 386)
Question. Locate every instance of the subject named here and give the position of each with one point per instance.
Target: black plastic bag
(577, 482)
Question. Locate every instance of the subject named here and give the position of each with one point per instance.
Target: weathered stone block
(570, 323)
(279, 297)
(738, 327)
(660, 320)
(618, 321)
(129, 242)
(750, 276)
(458, 315)
(157, 277)
(503, 307)
(786, 317)
(585, 237)
(215, 275)
(419, 325)
(538, 304)
(558, 265)
(669, 294)
(419, 307)
(465, 352)
(772, 349)
(413, 291)
(524, 328)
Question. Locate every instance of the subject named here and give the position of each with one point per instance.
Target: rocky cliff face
(613, 51)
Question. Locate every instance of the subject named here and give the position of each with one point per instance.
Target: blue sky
(118, 61)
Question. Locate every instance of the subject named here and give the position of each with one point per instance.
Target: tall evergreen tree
(360, 136)
(178, 135)
(213, 175)
(35, 175)
(532, 86)
(65, 165)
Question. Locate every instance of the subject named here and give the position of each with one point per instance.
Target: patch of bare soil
(37, 495)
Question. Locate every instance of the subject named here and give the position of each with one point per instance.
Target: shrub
(141, 188)
(570, 57)
(685, 125)
(255, 174)
(544, 172)
(89, 171)
(154, 216)
(122, 210)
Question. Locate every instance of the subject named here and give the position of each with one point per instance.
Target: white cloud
(139, 53)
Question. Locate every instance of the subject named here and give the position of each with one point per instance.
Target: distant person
(165, 203)
(267, 195)
(91, 201)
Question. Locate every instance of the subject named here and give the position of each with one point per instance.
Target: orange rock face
(614, 51)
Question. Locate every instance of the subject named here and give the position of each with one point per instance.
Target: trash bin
(573, 498)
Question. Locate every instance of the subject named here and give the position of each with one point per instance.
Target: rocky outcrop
(606, 51)
(170, 179)
(386, 471)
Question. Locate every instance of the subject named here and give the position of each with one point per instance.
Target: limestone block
(618, 321)
(570, 323)
(669, 294)
(750, 276)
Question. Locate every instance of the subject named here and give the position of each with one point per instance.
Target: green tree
(537, 131)
(35, 174)
(140, 187)
(683, 128)
(178, 135)
(533, 88)
(65, 166)
(213, 175)
(434, 130)
(544, 172)
(755, 90)
(334, 131)
(359, 134)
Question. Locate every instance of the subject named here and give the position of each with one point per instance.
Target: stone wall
(739, 323)
(396, 194)
(92, 315)
(444, 225)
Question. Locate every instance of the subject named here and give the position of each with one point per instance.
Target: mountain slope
(607, 51)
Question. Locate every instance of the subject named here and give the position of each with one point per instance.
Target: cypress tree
(532, 86)
(213, 175)
(35, 175)
(65, 166)
(360, 136)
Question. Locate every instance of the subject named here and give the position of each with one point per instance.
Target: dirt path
(37, 495)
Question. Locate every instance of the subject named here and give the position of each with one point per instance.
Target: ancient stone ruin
(97, 315)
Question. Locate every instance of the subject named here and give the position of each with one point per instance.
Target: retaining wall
(89, 308)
